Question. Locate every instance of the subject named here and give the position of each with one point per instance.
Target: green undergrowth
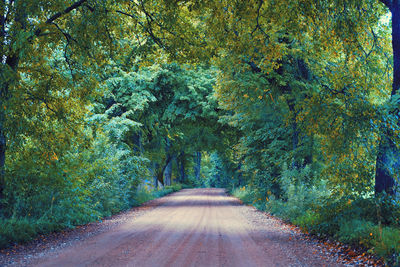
(144, 195)
(16, 230)
(368, 222)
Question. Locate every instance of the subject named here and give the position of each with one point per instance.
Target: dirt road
(196, 227)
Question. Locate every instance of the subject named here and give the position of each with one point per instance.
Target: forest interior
(292, 106)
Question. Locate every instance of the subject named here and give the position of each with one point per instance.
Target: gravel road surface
(193, 227)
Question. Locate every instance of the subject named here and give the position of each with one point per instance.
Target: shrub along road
(193, 227)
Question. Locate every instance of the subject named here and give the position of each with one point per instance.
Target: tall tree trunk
(197, 165)
(387, 162)
(160, 171)
(240, 175)
(137, 142)
(168, 173)
(155, 176)
(388, 158)
(182, 174)
(168, 161)
(178, 167)
(168, 167)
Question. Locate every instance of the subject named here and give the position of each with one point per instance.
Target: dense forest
(293, 106)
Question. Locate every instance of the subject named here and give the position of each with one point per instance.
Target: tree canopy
(101, 99)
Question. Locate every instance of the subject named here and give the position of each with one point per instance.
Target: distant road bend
(194, 227)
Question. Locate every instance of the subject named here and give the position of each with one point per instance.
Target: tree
(33, 36)
(175, 107)
(341, 42)
(388, 159)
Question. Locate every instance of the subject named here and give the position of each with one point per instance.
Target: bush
(370, 222)
(16, 230)
(245, 194)
(356, 232)
(65, 214)
(167, 190)
(386, 243)
(308, 221)
(300, 200)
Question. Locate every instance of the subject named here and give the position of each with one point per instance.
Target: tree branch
(61, 13)
(260, 3)
(387, 3)
(66, 11)
(157, 40)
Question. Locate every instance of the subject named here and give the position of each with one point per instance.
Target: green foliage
(218, 172)
(67, 215)
(287, 103)
(387, 244)
(299, 198)
(167, 190)
(382, 240)
(356, 231)
(244, 194)
(143, 195)
(16, 230)
(358, 223)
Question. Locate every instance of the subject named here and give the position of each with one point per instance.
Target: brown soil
(198, 227)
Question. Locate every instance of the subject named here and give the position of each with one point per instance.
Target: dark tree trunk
(387, 162)
(197, 165)
(388, 158)
(167, 169)
(182, 174)
(155, 176)
(302, 73)
(240, 175)
(178, 167)
(160, 171)
(137, 142)
(309, 157)
(160, 176)
(168, 173)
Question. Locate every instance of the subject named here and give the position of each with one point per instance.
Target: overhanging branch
(61, 13)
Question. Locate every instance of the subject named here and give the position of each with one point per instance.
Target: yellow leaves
(246, 96)
(50, 156)
(272, 98)
(54, 157)
(260, 97)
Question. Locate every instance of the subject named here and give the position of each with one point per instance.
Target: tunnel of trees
(292, 105)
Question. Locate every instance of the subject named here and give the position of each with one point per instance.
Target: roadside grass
(18, 230)
(371, 223)
(144, 195)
